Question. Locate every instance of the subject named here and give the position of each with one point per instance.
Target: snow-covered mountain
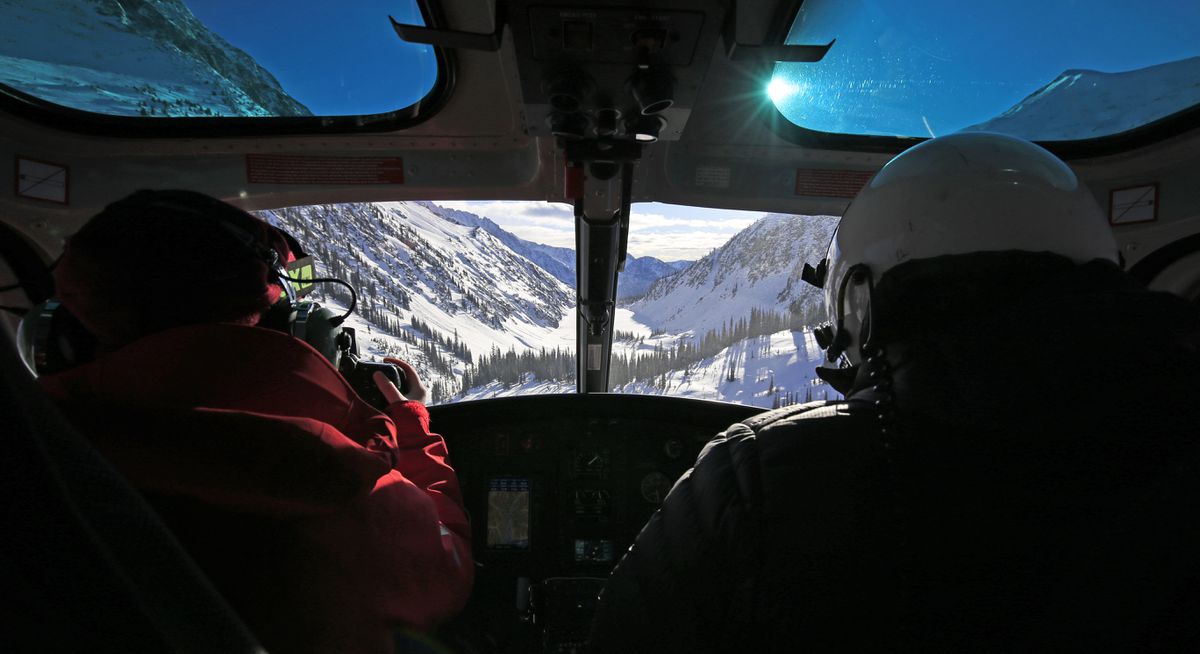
(478, 319)
(559, 262)
(759, 268)
(1103, 103)
(415, 262)
(767, 370)
(640, 272)
(132, 57)
(431, 291)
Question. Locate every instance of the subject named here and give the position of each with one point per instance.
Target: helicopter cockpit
(585, 222)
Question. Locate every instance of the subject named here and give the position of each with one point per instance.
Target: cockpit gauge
(655, 487)
(592, 463)
(673, 448)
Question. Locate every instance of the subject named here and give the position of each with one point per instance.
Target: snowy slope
(132, 57)
(758, 268)
(559, 262)
(1103, 103)
(442, 295)
(411, 265)
(452, 276)
(640, 272)
(766, 371)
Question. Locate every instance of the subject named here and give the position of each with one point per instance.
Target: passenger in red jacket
(327, 524)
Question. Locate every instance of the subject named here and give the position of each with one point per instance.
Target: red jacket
(324, 522)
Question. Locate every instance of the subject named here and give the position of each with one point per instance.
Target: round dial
(591, 463)
(673, 448)
(655, 487)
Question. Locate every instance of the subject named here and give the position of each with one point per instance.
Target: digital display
(508, 514)
(593, 503)
(593, 551)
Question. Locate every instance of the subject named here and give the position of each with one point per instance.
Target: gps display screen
(593, 551)
(508, 514)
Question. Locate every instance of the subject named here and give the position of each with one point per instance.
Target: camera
(361, 374)
(317, 326)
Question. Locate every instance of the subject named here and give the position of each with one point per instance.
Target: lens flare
(782, 90)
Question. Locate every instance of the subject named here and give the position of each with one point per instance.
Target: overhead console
(557, 488)
(590, 71)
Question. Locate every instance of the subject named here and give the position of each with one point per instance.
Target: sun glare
(782, 90)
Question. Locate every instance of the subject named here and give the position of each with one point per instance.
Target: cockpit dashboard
(557, 488)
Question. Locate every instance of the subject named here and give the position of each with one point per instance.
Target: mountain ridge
(1111, 103)
(748, 272)
(134, 57)
(639, 274)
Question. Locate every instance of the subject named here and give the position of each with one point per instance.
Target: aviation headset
(54, 340)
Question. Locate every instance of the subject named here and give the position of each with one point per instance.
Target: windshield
(215, 58)
(452, 293)
(1048, 71)
(733, 321)
(479, 296)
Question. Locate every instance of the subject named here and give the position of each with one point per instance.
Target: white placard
(1137, 204)
(41, 181)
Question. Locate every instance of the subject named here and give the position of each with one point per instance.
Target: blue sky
(666, 231)
(936, 66)
(338, 58)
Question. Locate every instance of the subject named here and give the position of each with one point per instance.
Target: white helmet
(957, 194)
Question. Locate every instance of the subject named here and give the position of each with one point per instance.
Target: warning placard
(823, 183)
(40, 180)
(303, 169)
(1138, 204)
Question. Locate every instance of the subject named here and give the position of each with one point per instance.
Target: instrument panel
(558, 487)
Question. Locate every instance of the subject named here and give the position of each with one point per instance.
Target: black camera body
(360, 374)
(317, 326)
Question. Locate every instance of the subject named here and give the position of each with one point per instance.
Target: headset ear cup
(282, 315)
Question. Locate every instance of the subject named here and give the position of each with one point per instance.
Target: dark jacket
(325, 523)
(1024, 475)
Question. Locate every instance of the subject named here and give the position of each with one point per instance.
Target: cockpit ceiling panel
(624, 72)
(614, 36)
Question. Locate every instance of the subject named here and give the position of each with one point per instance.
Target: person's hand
(416, 389)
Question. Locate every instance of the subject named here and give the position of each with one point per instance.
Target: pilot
(327, 524)
(1014, 466)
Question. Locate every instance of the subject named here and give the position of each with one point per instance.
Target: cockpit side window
(186, 59)
(1047, 72)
